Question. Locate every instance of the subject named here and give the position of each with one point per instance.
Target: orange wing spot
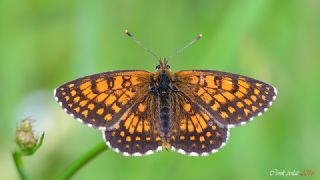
(119, 141)
(76, 99)
(182, 138)
(183, 124)
(140, 127)
(187, 107)
(205, 116)
(203, 146)
(240, 105)
(243, 83)
(192, 138)
(122, 133)
(210, 81)
(218, 134)
(206, 97)
(211, 141)
(214, 127)
(110, 99)
(100, 111)
(231, 109)
(247, 101)
(226, 84)
(201, 121)
(138, 138)
(133, 125)
(141, 107)
(190, 126)
(224, 115)
(83, 103)
(243, 90)
(101, 97)
(194, 80)
(115, 108)
(256, 91)
(130, 93)
(108, 117)
(91, 95)
(263, 97)
(134, 80)
(148, 138)
(123, 99)
(128, 138)
(71, 85)
(73, 92)
(239, 94)
(258, 84)
(63, 93)
(254, 108)
(158, 138)
(228, 95)
(91, 106)
(196, 124)
(200, 91)
(85, 113)
(127, 84)
(208, 134)
(118, 82)
(85, 85)
(201, 139)
(215, 106)
(102, 86)
(246, 111)
(67, 98)
(220, 98)
(77, 109)
(260, 104)
(128, 121)
(70, 105)
(254, 98)
(118, 92)
(86, 91)
(146, 126)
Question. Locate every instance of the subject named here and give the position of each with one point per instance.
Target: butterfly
(142, 112)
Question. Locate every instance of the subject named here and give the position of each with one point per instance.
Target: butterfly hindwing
(100, 100)
(231, 99)
(196, 133)
(136, 134)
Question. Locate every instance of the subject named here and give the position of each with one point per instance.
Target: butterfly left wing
(100, 100)
(230, 98)
(136, 133)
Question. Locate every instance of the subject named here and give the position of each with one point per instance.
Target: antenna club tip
(127, 32)
(200, 36)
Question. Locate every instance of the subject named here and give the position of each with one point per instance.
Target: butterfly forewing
(136, 134)
(196, 133)
(100, 100)
(231, 99)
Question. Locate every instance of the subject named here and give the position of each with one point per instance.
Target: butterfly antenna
(141, 45)
(199, 36)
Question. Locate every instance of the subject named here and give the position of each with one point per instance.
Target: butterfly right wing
(194, 131)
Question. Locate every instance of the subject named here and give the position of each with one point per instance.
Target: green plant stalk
(83, 160)
(17, 157)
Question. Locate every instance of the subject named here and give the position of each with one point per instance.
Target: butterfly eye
(168, 66)
(158, 67)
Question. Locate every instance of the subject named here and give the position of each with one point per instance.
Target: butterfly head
(163, 65)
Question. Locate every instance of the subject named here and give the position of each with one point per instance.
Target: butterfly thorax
(162, 87)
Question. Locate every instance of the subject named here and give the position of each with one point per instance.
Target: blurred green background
(46, 43)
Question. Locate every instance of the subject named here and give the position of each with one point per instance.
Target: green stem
(83, 160)
(17, 157)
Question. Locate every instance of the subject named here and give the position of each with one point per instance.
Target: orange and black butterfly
(140, 112)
